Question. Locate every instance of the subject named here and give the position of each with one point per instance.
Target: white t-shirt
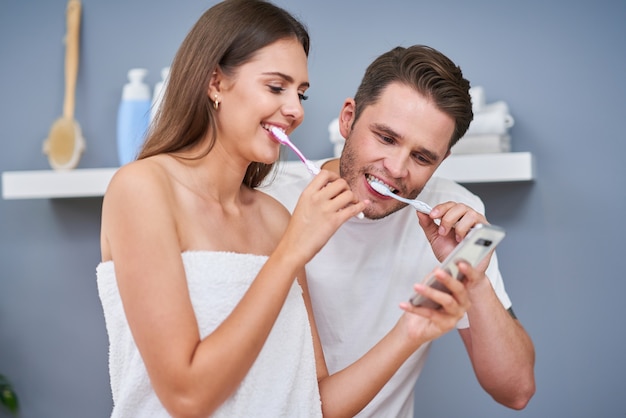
(361, 275)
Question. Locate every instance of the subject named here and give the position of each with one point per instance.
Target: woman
(198, 274)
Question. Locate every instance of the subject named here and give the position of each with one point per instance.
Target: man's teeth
(372, 179)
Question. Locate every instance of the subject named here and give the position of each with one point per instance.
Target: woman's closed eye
(280, 90)
(276, 89)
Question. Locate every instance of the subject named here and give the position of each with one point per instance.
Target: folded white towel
(482, 144)
(282, 381)
(494, 118)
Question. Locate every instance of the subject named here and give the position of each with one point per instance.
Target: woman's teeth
(269, 127)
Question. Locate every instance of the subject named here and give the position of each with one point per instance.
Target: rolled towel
(477, 94)
(494, 118)
(482, 144)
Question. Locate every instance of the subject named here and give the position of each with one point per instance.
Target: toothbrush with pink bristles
(283, 139)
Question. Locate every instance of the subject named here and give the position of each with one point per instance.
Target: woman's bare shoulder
(138, 197)
(272, 210)
(140, 176)
(140, 185)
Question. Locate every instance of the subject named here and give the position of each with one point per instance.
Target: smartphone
(481, 239)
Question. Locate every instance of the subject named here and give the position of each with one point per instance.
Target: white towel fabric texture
(482, 144)
(282, 381)
(493, 118)
(477, 94)
(488, 132)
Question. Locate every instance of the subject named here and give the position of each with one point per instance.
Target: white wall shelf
(49, 184)
(488, 168)
(89, 182)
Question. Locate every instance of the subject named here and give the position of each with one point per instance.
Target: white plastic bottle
(159, 90)
(133, 116)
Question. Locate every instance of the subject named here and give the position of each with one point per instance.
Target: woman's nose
(293, 109)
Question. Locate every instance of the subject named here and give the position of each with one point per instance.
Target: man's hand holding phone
(477, 245)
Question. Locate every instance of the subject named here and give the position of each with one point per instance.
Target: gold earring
(216, 103)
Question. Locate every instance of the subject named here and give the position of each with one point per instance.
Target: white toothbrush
(282, 138)
(417, 204)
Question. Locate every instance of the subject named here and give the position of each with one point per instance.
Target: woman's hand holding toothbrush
(323, 207)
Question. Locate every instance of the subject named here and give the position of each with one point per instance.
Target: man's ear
(346, 117)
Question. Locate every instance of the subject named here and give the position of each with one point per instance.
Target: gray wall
(559, 65)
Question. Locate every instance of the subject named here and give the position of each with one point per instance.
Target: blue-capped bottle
(133, 116)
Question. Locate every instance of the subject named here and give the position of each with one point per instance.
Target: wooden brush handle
(71, 56)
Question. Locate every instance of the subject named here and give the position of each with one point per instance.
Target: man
(412, 106)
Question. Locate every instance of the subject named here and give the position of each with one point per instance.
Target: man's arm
(501, 352)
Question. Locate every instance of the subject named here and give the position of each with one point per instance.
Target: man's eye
(386, 139)
(420, 158)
